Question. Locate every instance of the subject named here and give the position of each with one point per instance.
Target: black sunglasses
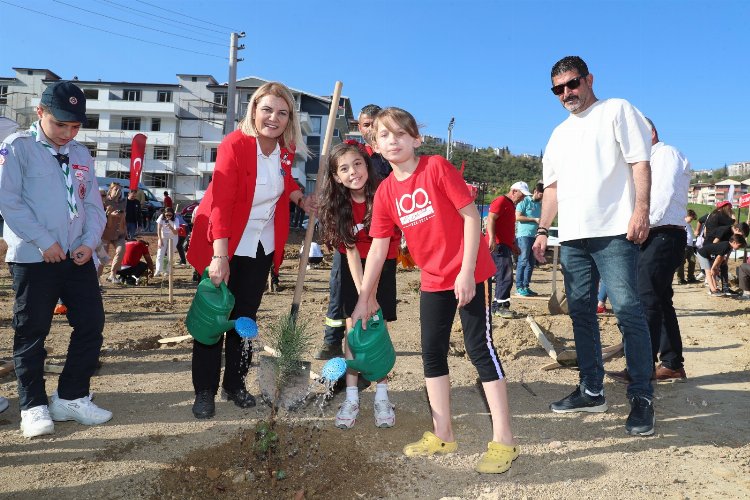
(571, 84)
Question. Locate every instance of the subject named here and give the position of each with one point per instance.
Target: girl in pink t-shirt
(427, 199)
(345, 214)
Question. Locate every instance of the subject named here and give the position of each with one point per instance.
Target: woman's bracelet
(220, 257)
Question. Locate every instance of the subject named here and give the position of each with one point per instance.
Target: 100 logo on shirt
(414, 207)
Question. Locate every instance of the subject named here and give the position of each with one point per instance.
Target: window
(155, 124)
(125, 150)
(193, 78)
(220, 102)
(212, 155)
(313, 144)
(164, 96)
(93, 121)
(3, 94)
(315, 122)
(205, 180)
(131, 95)
(91, 146)
(118, 174)
(156, 180)
(342, 107)
(130, 123)
(161, 152)
(92, 94)
(335, 132)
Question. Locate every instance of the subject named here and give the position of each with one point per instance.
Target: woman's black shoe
(204, 406)
(240, 397)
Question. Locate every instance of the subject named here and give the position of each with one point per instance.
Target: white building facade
(183, 123)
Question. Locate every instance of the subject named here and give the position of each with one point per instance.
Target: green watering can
(208, 316)
(374, 355)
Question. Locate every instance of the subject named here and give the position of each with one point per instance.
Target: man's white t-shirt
(588, 155)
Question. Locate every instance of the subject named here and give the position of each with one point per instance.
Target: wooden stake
(169, 270)
(318, 182)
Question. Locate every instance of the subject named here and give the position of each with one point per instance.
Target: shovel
(558, 301)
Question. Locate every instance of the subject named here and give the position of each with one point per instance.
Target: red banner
(137, 152)
(745, 200)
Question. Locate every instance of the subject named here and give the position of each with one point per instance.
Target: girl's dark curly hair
(336, 217)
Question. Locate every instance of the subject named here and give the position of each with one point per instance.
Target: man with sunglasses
(598, 176)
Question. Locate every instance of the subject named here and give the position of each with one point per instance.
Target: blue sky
(683, 63)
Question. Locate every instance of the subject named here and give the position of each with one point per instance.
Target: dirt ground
(154, 448)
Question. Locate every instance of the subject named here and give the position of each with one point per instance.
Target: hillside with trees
(497, 171)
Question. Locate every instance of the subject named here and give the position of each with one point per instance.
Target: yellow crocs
(430, 444)
(497, 459)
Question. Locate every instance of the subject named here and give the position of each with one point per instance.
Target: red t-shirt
(505, 224)
(134, 251)
(425, 207)
(363, 240)
(167, 201)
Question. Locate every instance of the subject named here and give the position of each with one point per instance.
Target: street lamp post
(449, 149)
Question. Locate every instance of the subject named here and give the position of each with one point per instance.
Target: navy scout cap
(66, 102)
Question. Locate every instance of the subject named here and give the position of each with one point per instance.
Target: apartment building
(183, 123)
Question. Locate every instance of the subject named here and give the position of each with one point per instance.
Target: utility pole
(449, 149)
(232, 84)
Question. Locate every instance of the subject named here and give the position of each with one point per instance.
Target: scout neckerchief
(64, 161)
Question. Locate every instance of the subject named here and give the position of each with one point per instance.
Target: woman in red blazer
(240, 229)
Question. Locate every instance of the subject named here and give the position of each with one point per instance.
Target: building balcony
(104, 164)
(206, 166)
(126, 137)
(304, 121)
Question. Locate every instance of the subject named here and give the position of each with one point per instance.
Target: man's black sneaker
(204, 406)
(329, 351)
(578, 400)
(728, 292)
(641, 419)
(240, 397)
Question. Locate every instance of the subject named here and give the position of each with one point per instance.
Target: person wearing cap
(54, 221)
(528, 212)
(596, 171)
(501, 238)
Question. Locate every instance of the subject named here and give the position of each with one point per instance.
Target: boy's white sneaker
(36, 421)
(384, 415)
(82, 410)
(347, 415)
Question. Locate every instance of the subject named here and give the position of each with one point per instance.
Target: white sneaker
(384, 415)
(3, 404)
(700, 276)
(347, 415)
(82, 410)
(36, 421)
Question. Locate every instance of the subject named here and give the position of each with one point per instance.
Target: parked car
(187, 212)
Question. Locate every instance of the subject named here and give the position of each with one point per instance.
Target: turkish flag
(137, 151)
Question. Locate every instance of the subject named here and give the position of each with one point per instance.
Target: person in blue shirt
(528, 212)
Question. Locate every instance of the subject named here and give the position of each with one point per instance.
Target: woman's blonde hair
(114, 187)
(293, 133)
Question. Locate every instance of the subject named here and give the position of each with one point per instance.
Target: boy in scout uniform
(53, 222)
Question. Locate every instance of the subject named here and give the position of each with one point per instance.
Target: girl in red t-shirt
(428, 200)
(345, 216)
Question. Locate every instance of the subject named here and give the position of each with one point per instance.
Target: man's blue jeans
(525, 264)
(614, 259)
